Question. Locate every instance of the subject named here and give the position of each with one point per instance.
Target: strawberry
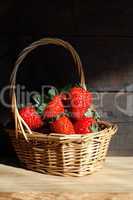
(31, 117)
(81, 100)
(83, 126)
(62, 125)
(54, 107)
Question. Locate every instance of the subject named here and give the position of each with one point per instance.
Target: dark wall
(102, 33)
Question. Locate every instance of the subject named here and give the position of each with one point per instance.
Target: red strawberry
(83, 126)
(31, 117)
(81, 100)
(63, 125)
(54, 107)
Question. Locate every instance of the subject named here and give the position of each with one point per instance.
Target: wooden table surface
(116, 176)
(65, 196)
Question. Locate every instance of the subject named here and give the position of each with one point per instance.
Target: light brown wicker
(65, 155)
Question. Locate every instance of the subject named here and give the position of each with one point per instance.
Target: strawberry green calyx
(92, 113)
(95, 115)
(94, 128)
(40, 103)
(41, 108)
(52, 92)
(66, 88)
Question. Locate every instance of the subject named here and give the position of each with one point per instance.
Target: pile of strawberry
(64, 113)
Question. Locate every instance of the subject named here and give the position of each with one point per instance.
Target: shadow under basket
(65, 155)
(53, 153)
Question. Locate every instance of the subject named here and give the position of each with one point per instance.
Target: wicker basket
(65, 155)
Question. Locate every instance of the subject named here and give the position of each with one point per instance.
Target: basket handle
(19, 122)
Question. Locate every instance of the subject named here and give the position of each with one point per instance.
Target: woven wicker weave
(66, 155)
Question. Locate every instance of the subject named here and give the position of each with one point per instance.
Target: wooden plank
(56, 19)
(114, 106)
(64, 196)
(116, 176)
(8, 17)
(7, 57)
(122, 143)
(112, 18)
(69, 18)
(74, 17)
(107, 63)
(118, 108)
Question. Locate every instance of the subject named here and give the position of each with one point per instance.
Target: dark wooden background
(102, 33)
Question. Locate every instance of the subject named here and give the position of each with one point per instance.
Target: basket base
(66, 173)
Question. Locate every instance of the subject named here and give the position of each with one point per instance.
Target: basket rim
(109, 128)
